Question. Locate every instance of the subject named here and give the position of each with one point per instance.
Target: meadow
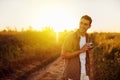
(20, 49)
(27, 48)
(106, 56)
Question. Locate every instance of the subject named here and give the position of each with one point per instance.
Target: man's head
(85, 23)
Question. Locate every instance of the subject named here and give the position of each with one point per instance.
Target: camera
(91, 45)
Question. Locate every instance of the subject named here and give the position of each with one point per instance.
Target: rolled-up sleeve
(67, 45)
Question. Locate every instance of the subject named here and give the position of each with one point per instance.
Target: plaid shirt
(73, 65)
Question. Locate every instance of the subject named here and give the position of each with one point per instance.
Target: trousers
(83, 77)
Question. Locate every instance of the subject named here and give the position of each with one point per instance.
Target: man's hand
(85, 48)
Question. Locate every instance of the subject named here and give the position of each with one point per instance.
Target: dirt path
(53, 71)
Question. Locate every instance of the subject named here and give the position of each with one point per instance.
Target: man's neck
(82, 34)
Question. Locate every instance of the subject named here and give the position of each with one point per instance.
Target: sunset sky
(60, 14)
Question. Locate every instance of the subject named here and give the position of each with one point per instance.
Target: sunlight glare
(58, 19)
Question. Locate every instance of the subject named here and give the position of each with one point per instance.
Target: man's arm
(68, 55)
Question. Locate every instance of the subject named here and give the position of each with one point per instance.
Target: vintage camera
(91, 45)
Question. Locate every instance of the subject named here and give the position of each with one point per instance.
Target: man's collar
(78, 33)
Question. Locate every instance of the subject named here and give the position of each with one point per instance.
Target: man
(75, 52)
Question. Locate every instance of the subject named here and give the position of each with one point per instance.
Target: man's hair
(87, 17)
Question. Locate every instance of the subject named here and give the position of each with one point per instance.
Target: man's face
(84, 25)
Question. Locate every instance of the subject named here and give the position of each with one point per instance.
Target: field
(26, 49)
(107, 56)
(22, 51)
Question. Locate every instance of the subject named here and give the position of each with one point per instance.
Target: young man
(75, 52)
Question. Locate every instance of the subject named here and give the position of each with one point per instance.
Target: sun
(57, 19)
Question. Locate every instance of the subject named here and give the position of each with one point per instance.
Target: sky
(60, 14)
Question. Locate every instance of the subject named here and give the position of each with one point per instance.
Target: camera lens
(91, 45)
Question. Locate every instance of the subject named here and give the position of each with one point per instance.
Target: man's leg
(70, 79)
(84, 77)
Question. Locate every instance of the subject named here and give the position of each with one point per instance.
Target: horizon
(45, 28)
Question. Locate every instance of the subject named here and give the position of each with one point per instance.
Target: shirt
(82, 56)
(73, 65)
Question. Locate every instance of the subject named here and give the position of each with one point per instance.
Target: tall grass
(18, 49)
(107, 56)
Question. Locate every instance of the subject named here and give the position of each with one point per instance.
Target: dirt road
(53, 71)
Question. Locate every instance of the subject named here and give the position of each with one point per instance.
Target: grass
(20, 49)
